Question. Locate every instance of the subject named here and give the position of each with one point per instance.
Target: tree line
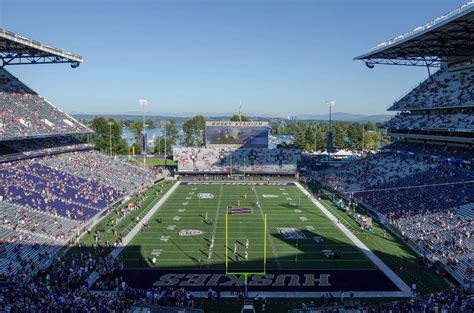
(312, 135)
(307, 135)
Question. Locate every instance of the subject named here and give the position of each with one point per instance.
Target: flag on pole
(144, 142)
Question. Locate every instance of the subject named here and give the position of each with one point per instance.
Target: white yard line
(126, 240)
(214, 228)
(375, 259)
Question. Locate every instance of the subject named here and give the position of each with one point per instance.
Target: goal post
(246, 274)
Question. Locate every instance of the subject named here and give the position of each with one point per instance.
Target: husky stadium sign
(236, 124)
(280, 280)
(227, 134)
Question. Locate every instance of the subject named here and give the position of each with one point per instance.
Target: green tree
(236, 118)
(309, 139)
(194, 131)
(150, 123)
(136, 128)
(300, 136)
(103, 134)
(171, 134)
(338, 134)
(372, 139)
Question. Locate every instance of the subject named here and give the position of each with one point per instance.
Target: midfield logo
(190, 232)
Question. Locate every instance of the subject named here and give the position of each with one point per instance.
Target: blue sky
(278, 57)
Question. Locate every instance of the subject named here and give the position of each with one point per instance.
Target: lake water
(151, 133)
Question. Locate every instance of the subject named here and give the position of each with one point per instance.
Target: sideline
(126, 240)
(404, 289)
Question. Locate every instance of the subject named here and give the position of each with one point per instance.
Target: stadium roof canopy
(448, 36)
(16, 49)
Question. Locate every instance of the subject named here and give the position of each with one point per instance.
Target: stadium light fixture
(330, 104)
(370, 64)
(143, 104)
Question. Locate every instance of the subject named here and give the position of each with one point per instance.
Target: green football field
(180, 237)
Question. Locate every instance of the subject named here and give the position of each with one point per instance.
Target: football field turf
(299, 236)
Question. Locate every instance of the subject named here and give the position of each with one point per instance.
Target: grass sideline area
(386, 249)
(151, 196)
(154, 162)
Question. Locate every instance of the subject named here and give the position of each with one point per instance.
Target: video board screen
(237, 134)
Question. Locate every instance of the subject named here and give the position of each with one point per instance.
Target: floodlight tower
(240, 111)
(143, 104)
(166, 150)
(330, 104)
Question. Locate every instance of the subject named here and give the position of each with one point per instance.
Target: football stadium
(233, 223)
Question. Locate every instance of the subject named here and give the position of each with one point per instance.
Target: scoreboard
(228, 134)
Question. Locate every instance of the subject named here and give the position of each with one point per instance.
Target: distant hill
(346, 117)
(339, 116)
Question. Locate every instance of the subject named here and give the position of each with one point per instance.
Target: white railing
(35, 44)
(428, 25)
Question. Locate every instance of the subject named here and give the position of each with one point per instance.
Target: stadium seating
(94, 166)
(245, 159)
(23, 218)
(443, 89)
(431, 203)
(23, 113)
(41, 207)
(373, 171)
(23, 251)
(432, 121)
(43, 188)
(11, 150)
(444, 236)
(28, 237)
(435, 150)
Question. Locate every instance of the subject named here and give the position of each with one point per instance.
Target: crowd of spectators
(42, 208)
(430, 203)
(373, 171)
(450, 300)
(23, 113)
(94, 166)
(432, 121)
(436, 150)
(64, 287)
(444, 237)
(236, 178)
(27, 148)
(444, 88)
(45, 189)
(278, 161)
